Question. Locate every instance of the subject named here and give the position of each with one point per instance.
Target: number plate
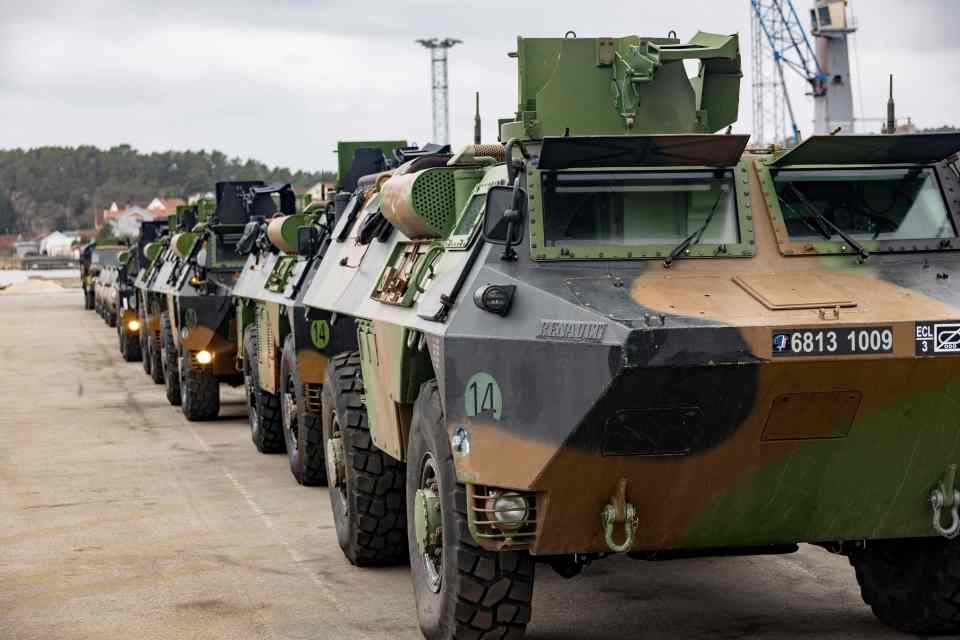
(832, 342)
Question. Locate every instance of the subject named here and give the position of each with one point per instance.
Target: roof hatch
(592, 152)
(920, 148)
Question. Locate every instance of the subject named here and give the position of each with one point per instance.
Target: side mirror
(506, 210)
(248, 240)
(308, 239)
(505, 205)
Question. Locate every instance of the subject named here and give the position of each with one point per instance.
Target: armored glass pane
(469, 218)
(639, 208)
(882, 204)
(106, 258)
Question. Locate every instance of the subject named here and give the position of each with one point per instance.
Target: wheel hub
(334, 459)
(428, 523)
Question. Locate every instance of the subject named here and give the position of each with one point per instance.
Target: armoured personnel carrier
(197, 323)
(620, 333)
(132, 264)
(105, 294)
(93, 260)
(150, 300)
(283, 352)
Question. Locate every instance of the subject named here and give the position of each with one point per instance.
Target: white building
(57, 244)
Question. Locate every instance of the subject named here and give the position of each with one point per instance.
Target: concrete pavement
(120, 519)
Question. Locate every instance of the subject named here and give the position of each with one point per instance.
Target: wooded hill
(51, 188)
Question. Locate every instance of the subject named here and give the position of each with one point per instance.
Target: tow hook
(619, 511)
(946, 496)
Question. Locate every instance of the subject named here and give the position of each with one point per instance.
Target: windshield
(106, 258)
(639, 208)
(881, 204)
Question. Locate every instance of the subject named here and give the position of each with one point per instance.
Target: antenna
(476, 122)
(891, 111)
(438, 72)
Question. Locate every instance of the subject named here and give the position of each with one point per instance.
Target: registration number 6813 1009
(832, 342)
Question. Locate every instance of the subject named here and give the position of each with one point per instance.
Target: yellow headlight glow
(204, 357)
(133, 325)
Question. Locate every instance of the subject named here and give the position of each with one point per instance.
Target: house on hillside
(126, 221)
(58, 244)
(319, 191)
(24, 248)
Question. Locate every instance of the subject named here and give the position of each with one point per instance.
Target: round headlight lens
(204, 357)
(133, 325)
(509, 509)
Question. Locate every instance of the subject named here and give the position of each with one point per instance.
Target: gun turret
(623, 86)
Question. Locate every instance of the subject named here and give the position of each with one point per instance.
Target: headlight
(509, 510)
(204, 357)
(133, 325)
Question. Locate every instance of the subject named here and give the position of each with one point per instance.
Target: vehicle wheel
(263, 408)
(366, 485)
(144, 343)
(302, 431)
(129, 344)
(111, 319)
(87, 300)
(199, 391)
(170, 356)
(156, 357)
(461, 589)
(912, 585)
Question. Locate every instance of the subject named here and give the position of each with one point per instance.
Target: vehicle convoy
(132, 263)
(92, 261)
(193, 283)
(282, 353)
(619, 332)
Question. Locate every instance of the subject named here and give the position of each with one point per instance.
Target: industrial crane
(777, 23)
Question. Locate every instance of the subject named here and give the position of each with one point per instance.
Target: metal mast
(779, 42)
(438, 74)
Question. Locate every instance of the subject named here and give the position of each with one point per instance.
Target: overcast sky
(281, 81)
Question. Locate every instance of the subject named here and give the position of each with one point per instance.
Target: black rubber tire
(302, 431)
(111, 318)
(129, 344)
(144, 343)
(482, 594)
(156, 357)
(87, 299)
(912, 585)
(369, 510)
(170, 356)
(199, 391)
(263, 408)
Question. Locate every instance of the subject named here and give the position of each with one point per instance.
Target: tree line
(51, 188)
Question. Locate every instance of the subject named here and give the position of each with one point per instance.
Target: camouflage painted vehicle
(105, 292)
(621, 333)
(280, 349)
(86, 275)
(93, 259)
(197, 323)
(150, 299)
(132, 263)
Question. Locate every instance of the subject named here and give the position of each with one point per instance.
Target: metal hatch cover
(678, 150)
(790, 291)
(919, 148)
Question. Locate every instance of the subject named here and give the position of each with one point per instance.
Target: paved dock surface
(120, 519)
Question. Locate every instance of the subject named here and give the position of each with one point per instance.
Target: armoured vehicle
(132, 263)
(86, 274)
(104, 292)
(197, 323)
(150, 299)
(283, 366)
(621, 333)
(92, 260)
